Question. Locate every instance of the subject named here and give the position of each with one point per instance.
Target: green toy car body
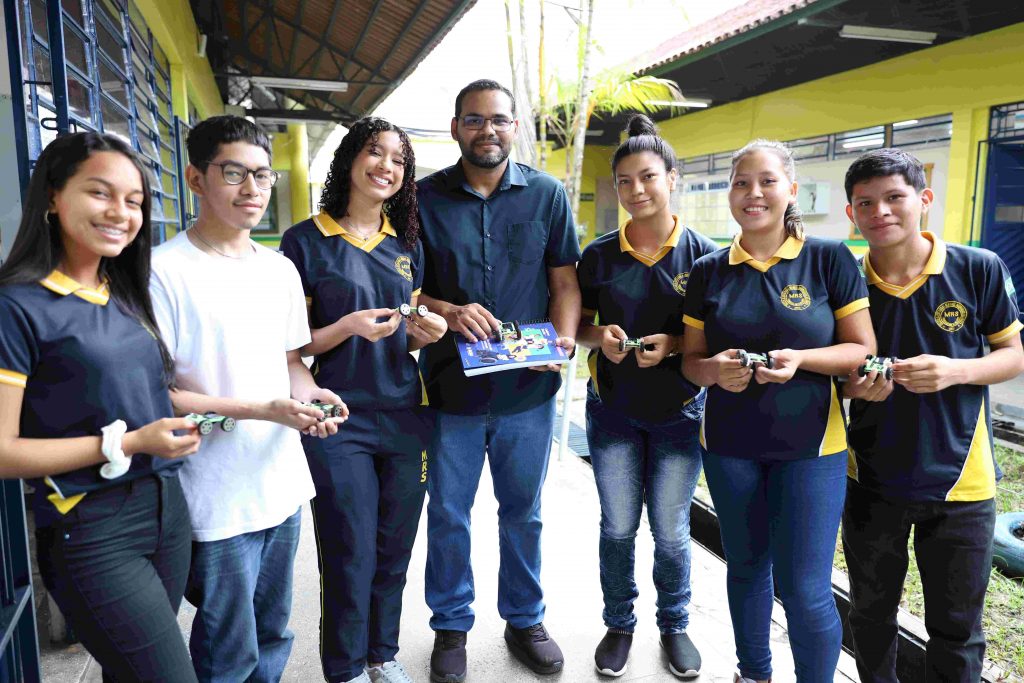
(207, 421)
(327, 409)
(637, 343)
(882, 364)
(509, 332)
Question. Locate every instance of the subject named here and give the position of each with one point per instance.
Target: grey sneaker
(388, 672)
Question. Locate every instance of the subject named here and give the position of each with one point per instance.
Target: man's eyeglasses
(498, 123)
(235, 174)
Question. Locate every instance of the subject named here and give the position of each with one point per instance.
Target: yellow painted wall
(192, 82)
(965, 77)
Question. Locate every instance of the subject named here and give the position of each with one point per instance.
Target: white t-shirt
(228, 323)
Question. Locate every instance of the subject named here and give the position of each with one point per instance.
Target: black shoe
(612, 652)
(535, 648)
(448, 660)
(683, 657)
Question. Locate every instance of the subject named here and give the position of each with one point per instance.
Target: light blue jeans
(517, 447)
(242, 589)
(657, 463)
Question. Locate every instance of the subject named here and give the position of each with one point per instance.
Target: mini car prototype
(327, 409)
(748, 359)
(882, 364)
(509, 332)
(405, 310)
(208, 421)
(637, 343)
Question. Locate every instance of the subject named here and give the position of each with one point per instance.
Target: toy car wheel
(863, 371)
(405, 310)
(744, 358)
(228, 425)
(205, 427)
(422, 310)
(1008, 544)
(622, 346)
(888, 373)
(769, 362)
(868, 357)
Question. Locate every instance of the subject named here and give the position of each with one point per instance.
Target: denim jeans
(657, 463)
(517, 447)
(116, 565)
(779, 520)
(953, 546)
(242, 589)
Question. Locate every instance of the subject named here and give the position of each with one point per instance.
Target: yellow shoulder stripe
(1002, 335)
(15, 379)
(693, 322)
(851, 307)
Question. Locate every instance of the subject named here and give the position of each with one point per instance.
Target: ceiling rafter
(401, 36)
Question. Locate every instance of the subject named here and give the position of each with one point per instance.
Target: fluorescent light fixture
(298, 83)
(282, 121)
(903, 124)
(894, 35)
(867, 142)
(694, 104)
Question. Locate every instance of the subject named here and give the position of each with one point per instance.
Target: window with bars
(1007, 121)
(104, 71)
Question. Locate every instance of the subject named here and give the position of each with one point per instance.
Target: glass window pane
(110, 44)
(112, 84)
(74, 10)
(112, 10)
(39, 26)
(922, 132)
(42, 60)
(78, 98)
(859, 141)
(138, 21)
(721, 162)
(74, 49)
(161, 58)
(115, 122)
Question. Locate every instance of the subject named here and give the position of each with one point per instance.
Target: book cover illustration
(517, 345)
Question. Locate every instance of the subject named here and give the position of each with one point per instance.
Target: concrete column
(299, 167)
(179, 91)
(966, 170)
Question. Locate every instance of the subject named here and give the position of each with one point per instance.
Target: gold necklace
(195, 231)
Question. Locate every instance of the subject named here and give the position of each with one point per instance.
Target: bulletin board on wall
(856, 234)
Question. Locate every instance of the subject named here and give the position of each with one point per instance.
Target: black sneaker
(448, 660)
(612, 652)
(683, 657)
(535, 648)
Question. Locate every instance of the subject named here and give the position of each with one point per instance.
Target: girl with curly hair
(361, 261)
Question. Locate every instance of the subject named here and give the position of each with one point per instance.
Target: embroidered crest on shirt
(950, 316)
(795, 297)
(679, 282)
(404, 267)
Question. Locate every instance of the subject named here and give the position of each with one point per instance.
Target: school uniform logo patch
(403, 264)
(795, 297)
(950, 316)
(1011, 291)
(679, 282)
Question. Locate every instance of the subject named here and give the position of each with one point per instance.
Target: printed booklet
(516, 345)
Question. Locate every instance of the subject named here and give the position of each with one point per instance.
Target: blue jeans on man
(517, 446)
(242, 590)
(657, 463)
(779, 520)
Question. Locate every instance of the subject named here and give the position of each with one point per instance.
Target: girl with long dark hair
(361, 262)
(770, 321)
(642, 414)
(85, 410)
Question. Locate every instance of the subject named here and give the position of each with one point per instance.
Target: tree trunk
(524, 146)
(542, 106)
(580, 123)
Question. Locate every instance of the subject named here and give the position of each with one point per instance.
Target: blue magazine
(532, 344)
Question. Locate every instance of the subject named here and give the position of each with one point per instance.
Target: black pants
(370, 482)
(953, 546)
(116, 565)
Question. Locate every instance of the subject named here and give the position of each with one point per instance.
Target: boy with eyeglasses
(233, 316)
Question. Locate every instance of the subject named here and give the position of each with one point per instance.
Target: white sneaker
(361, 678)
(388, 672)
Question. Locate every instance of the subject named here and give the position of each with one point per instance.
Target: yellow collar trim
(330, 227)
(790, 249)
(59, 283)
(933, 266)
(650, 259)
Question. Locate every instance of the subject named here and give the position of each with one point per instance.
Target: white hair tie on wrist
(118, 463)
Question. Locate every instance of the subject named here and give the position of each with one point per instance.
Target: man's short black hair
(880, 163)
(205, 139)
(477, 86)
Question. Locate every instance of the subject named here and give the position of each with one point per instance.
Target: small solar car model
(327, 409)
(637, 343)
(509, 332)
(748, 359)
(207, 421)
(405, 310)
(882, 364)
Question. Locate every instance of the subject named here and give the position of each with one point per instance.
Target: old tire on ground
(1008, 544)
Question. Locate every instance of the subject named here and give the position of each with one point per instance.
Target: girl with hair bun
(789, 312)
(643, 416)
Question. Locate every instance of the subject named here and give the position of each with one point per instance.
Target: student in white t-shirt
(233, 316)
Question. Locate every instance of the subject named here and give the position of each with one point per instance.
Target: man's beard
(489, 160)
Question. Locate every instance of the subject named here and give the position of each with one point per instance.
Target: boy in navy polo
(921, 452)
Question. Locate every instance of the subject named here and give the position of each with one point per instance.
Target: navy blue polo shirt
(643, 295)
(341, 274)
(494, 251)
(792, 301)
(935, 446)
(83, 363)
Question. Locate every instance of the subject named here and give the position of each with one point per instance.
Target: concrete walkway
(570, 577)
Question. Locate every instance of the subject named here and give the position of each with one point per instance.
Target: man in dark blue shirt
(500, 244)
